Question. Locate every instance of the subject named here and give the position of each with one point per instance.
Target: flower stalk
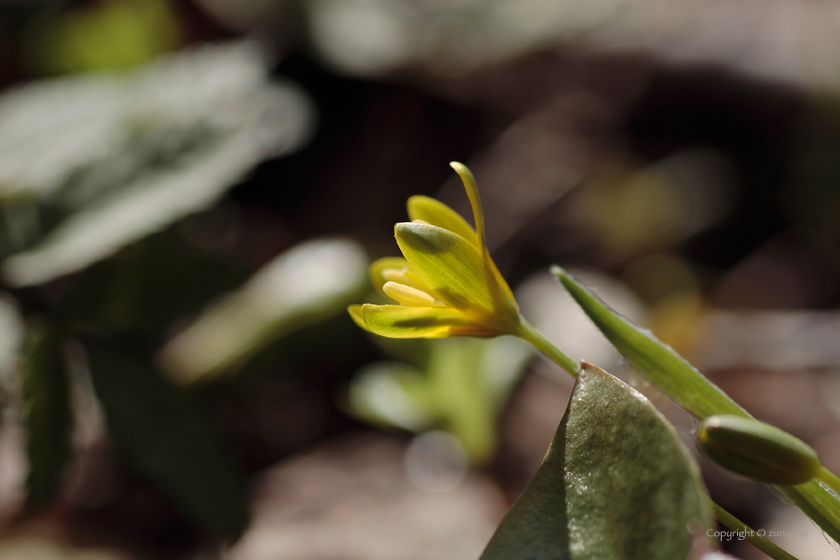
(530, 334)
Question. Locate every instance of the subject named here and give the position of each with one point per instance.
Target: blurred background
(191, 192)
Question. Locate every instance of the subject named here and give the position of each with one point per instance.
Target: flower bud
(757, 450)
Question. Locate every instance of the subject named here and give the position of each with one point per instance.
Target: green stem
(765, 546)
(534, 337)
(829, 478)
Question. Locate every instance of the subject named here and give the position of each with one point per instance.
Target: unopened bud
(757, 450)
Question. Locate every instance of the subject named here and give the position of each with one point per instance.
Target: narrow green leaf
(47, 415)
(683, 383)
(657, 361)
(616, 484)
(165, 437)
(819, 502)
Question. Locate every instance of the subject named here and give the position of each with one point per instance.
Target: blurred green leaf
(89, 164)
(391, 394)
(462, 388)
(148, 285)
(47, 415)
(303, 286)
(616, 483)
(165, 437)
(468, 383)
(682, 382)
(105, 36)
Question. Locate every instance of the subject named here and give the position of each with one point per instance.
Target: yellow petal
(475, 201)
(406, 276)
(415, 280)
(356, 314)
(478, 214)
(507, 294)
(397, 321)
(379, 265)
(457, 274)
(439, 214)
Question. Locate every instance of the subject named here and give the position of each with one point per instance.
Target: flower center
(406, 288)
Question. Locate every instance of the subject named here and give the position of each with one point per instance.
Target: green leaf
(683, 383)
(164, 436)
(109, 160)
(47, 416)
(461, 388)
(616, 483)
(302, 287)
(657, 361)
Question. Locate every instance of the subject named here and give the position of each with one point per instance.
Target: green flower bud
(757, 450)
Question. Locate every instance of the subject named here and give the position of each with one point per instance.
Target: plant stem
(765, 546)
(534, 337)
(829, 478)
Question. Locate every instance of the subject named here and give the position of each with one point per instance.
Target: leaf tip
(561, 274)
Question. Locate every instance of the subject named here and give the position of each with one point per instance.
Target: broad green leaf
(616, 484)
(683, 383)
(165, 438)
(47, 415)
(91, 163)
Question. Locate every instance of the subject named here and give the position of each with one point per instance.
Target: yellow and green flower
(446, 284)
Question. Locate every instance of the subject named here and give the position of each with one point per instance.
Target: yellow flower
(447, 284)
